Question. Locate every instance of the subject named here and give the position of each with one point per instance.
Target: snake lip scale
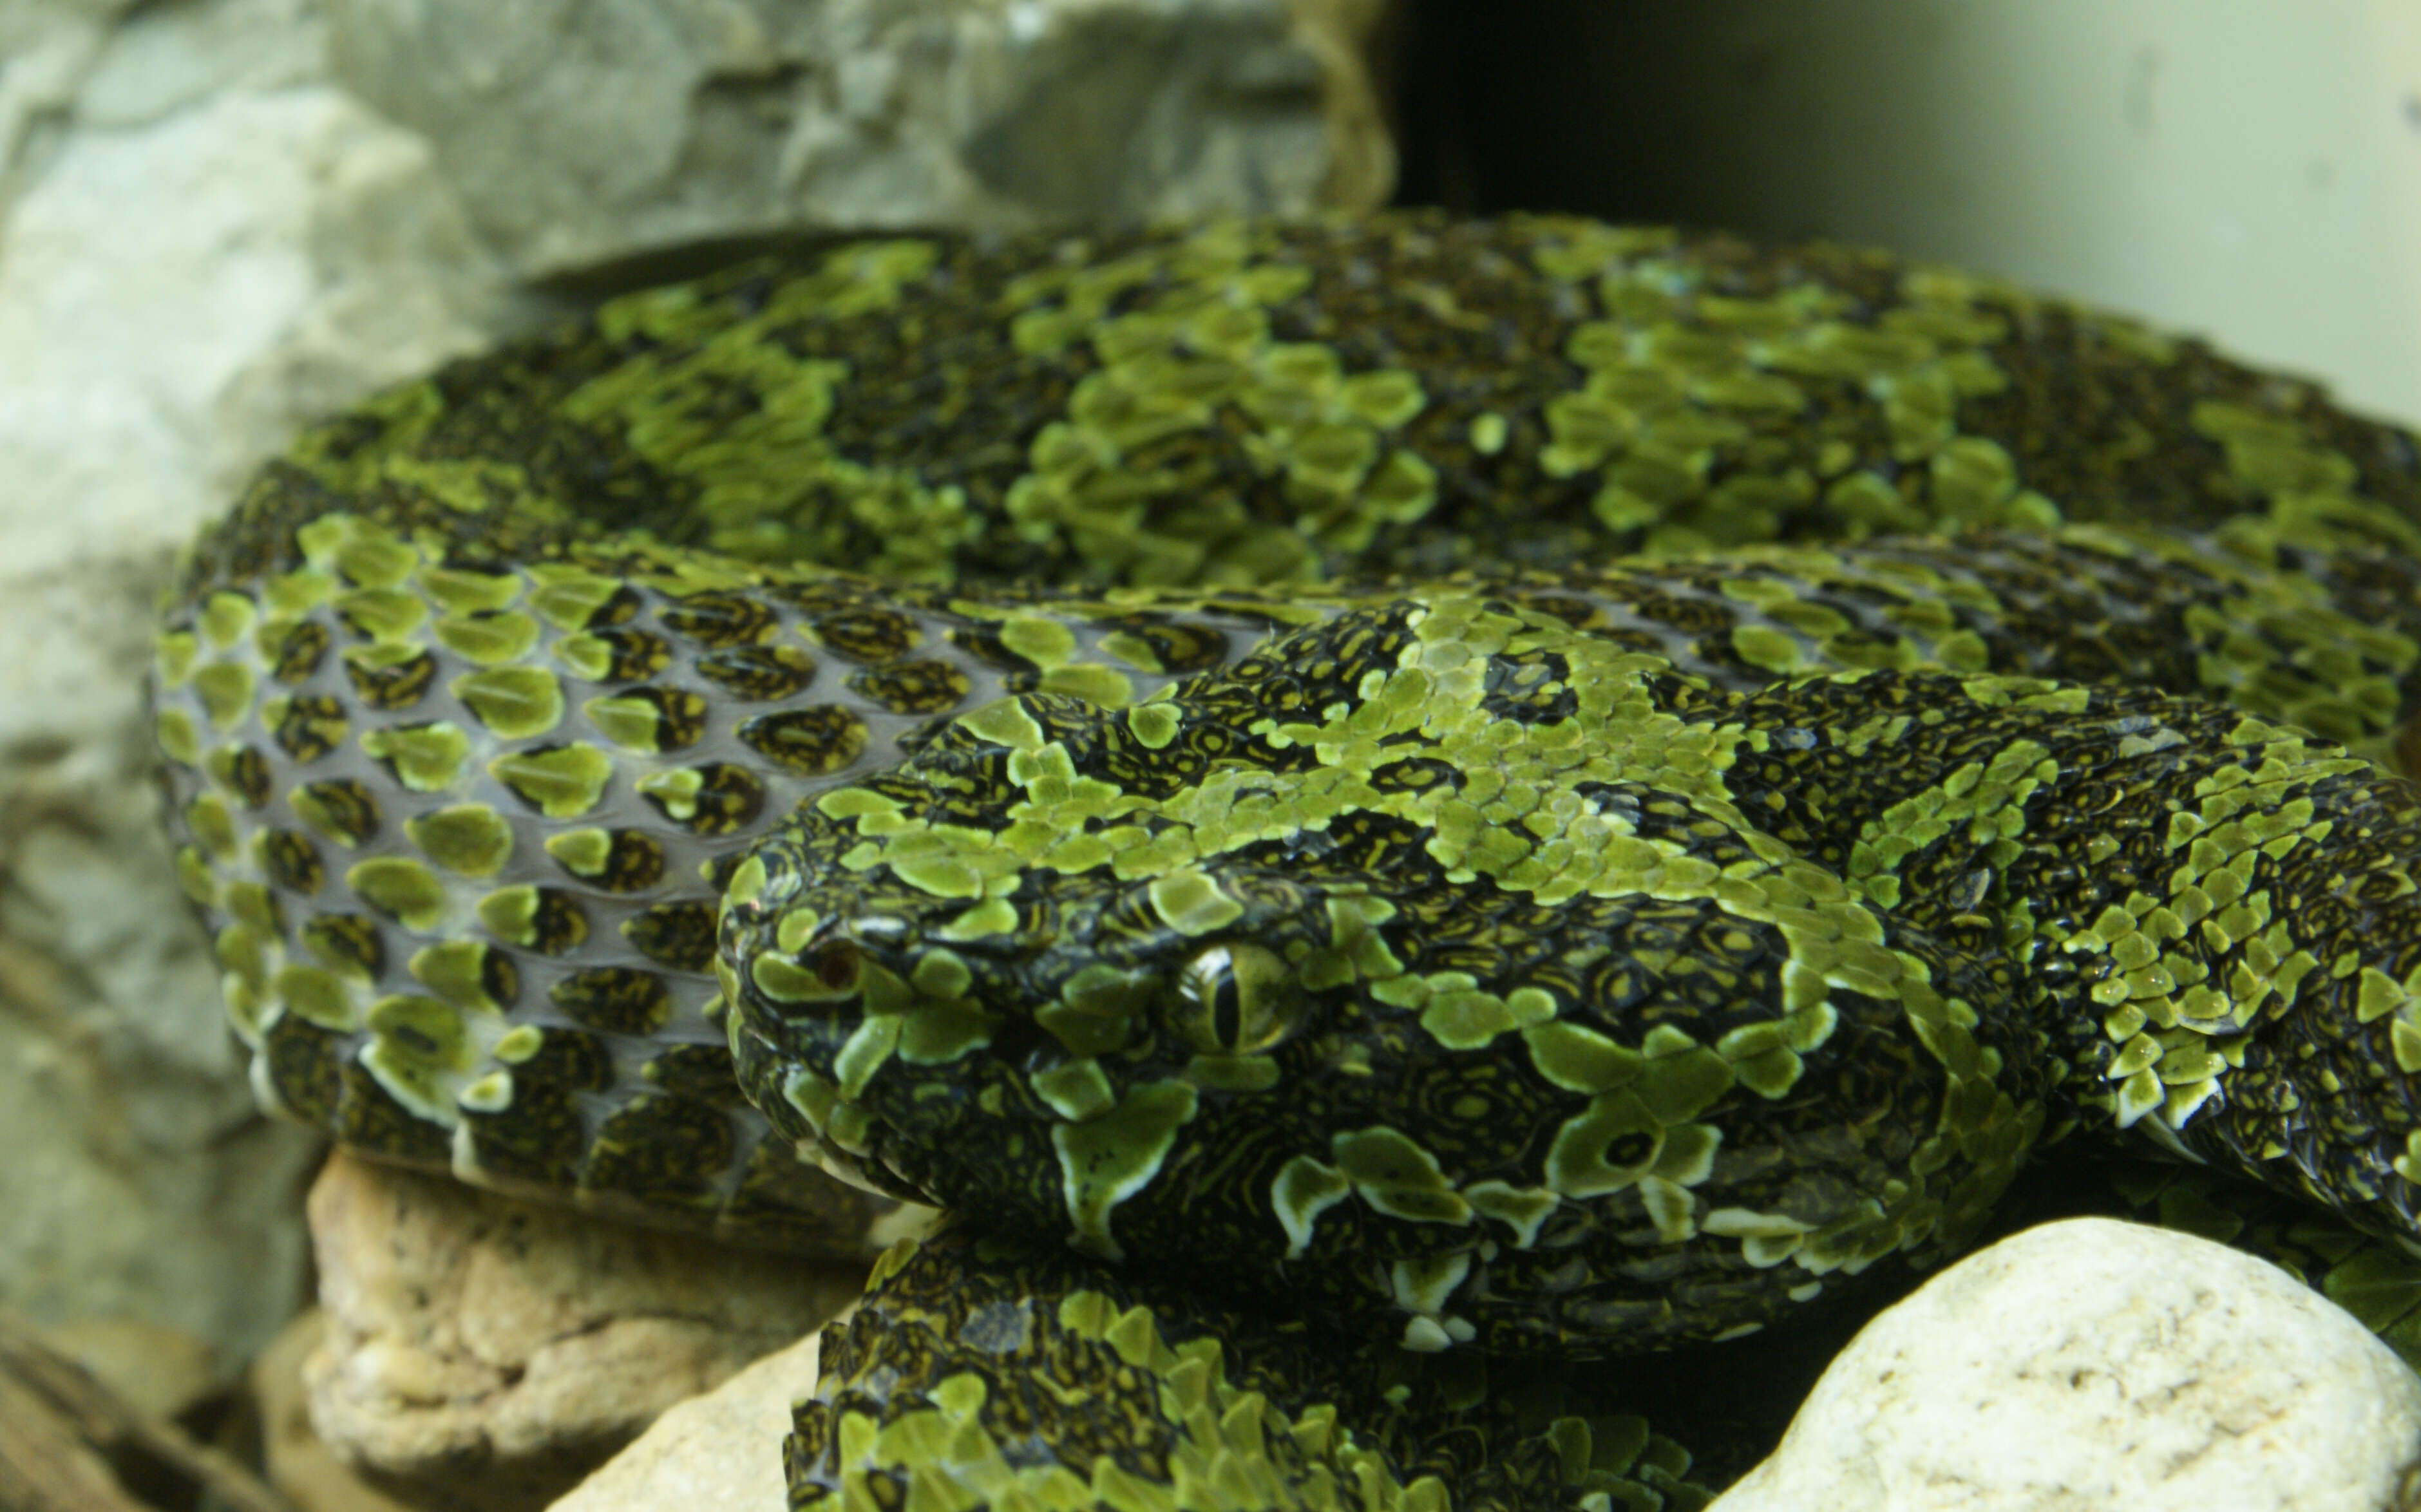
(1385, 812)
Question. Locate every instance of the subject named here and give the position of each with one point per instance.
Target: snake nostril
(835, 964)
(793, 978)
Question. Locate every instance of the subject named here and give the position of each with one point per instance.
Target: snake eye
(1237, 1000)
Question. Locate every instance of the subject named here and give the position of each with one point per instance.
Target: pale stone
(720, 1450)
(188, 266)
(297, 1464)
(489, 1352)
(2092, 1365)
(49, 48)
(662, 121)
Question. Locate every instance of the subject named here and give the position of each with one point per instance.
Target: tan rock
(2092, 1363)
(720, 1450)
(488, 1352)
(303, 1468)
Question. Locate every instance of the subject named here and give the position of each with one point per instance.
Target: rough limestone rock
(222, 218)
(199, 245)
(486, 1353)
(300, 1468)
(720, 1450)
(2092, 1365)
(663, 121)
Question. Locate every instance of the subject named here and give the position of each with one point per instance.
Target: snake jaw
(841, 1135)
(842, 1015)
(846, 1168)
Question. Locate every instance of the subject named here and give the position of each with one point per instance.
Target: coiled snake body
(1314, 783)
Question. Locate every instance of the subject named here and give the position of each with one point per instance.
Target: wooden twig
(46, 1465)
(56, 1423)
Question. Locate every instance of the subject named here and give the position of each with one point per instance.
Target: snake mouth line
(844, 1136)
(842, 1166)
(830, 1042)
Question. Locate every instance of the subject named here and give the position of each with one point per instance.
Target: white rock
(661, 121)
(183, 275)
(720, 1450)
(2094, 1365)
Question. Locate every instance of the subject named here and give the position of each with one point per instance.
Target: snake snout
(787, 964)
(823, 980)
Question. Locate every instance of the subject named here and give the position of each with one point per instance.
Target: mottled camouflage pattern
(1493, 983)
(1041, 1381)
(1339, 862)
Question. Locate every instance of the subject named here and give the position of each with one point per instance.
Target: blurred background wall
(2243, 169)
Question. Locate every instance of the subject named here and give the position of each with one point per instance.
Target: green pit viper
(1389, 813)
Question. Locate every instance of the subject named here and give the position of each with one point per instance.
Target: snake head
(1420, 962)
(1000, 979)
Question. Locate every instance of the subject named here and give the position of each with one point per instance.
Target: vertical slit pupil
(1227, 1013)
